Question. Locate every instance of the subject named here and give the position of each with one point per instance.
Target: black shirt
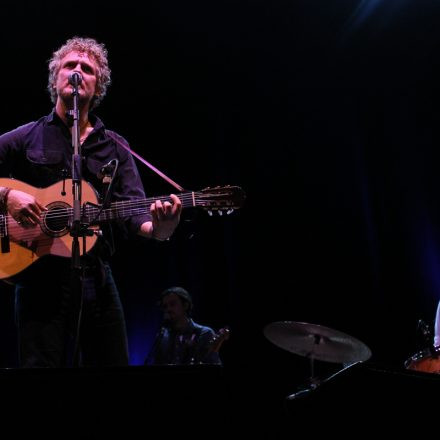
(40, 154)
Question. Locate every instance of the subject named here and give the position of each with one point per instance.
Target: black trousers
(47, 317)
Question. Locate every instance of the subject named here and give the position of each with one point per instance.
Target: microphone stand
(157, 340)
(78, 227)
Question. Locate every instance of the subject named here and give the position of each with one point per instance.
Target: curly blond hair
(93, 49)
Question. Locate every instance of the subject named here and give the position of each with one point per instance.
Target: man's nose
(78, 68)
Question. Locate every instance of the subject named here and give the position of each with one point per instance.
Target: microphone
(106, 174)
(75, 78)
(106, 170)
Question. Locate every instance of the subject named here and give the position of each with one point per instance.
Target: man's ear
(98, 91)
(186, 306)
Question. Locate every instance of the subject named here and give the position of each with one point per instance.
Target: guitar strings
(142, 205)
(134, 207)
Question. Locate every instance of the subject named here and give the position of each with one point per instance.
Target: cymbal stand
(314, 382)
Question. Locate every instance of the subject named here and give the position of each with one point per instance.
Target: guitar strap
(145, 162)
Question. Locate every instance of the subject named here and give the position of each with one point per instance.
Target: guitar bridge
(4, 242)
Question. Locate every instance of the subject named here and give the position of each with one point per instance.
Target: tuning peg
(220, 213)
(210, 213)
(229, 211)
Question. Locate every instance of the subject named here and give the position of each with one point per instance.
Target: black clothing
(40, 154)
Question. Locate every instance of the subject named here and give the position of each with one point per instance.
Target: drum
(427, 360)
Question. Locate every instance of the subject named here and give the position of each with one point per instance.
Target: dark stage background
(326, 113)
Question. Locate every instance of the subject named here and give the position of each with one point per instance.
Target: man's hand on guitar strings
(24, 208)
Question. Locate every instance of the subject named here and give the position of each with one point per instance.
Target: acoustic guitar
(20, 247)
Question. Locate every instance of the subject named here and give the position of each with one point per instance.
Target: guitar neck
(128, 208)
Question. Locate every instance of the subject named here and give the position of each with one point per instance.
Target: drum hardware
(428, 359)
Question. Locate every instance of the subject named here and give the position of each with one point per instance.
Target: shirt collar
(54, 119)
(188, 328)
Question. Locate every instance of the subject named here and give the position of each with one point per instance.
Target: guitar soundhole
(56, 219)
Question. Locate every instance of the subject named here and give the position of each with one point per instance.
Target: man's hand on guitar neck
(24, 208)
(165, 218)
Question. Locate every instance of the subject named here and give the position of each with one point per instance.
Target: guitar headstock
(221, 199)
(221, 336)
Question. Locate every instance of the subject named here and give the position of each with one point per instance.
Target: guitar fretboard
(128, 208)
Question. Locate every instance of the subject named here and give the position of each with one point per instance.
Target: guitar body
(51, 236)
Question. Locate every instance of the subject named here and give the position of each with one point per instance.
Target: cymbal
(317, 342)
